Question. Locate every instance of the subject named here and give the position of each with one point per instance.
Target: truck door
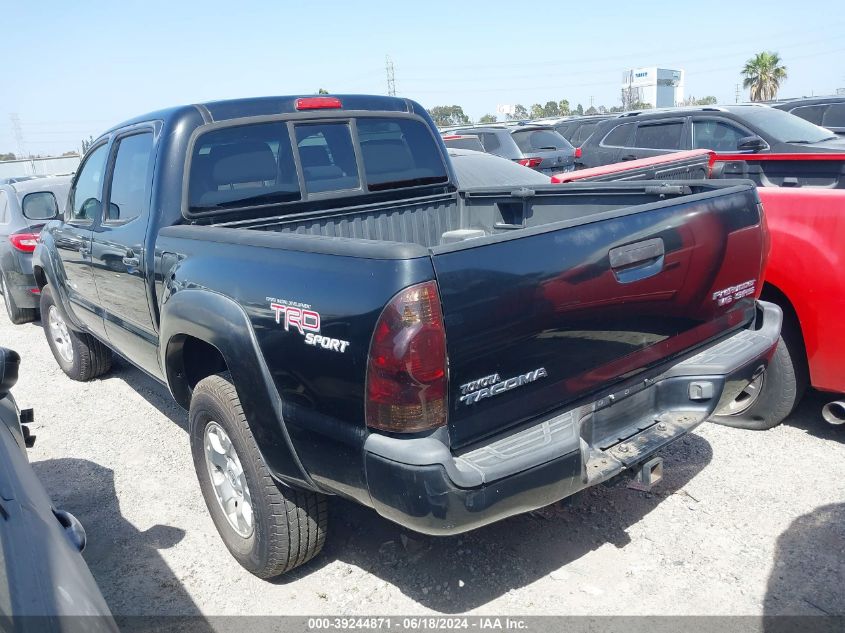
(73, 238)
(118, 248)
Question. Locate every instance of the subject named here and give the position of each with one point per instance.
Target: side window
(813, 113)
(834, 116)
(620, 136)
(85, 198)
(129, 193)
(583, 133)
(659, 135)
(715, 135)
(327, 157)
(4, 208)
(490, 141)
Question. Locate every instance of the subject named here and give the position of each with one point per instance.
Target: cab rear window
(399, 153)
(255, 164)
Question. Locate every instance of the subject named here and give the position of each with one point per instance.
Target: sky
(74, 69)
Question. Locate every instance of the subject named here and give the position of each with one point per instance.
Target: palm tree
(763, 74)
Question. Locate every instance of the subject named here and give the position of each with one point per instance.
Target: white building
(48, 166)
(661, 87)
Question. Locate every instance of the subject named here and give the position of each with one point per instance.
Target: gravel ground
(744, 523)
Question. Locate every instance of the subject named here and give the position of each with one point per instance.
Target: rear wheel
(268, 527)
(771, 397)
(80, 355)
(16, 315)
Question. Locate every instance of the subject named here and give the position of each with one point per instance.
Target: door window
(129, 193)
(85, 198)
(620, 136)
(813, 113)
(715, 135)
(660, 135)
(834, 116)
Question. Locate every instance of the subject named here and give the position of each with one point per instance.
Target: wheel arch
(203, 333)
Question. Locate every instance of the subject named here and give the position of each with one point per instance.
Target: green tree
(322, 91)
(488, 118)
(579, 109)
(8, 156)
(563, 107)
(551, 109)
(591, 110)
(444, 116)
(692, 101)
(641, 105)
(519, 112)
(536, 111)
(86, 143)
(763, 74)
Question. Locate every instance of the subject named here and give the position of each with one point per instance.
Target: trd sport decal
(306, 321)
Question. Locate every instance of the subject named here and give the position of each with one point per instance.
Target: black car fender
(220, 322)
(48, 270)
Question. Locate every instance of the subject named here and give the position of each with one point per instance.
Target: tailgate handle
(637, 253)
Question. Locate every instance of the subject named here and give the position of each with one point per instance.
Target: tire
(781, 388)
(288, 525)
(80, 355)
(16, 315)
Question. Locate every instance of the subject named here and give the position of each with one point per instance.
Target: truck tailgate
(541, 316)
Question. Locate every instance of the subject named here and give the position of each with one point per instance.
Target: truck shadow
(149, 389)
(459, 573)
(808, 573)
(808, 416)
(125, 561)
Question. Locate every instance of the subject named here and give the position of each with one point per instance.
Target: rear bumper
(419, 483)
(17, 268)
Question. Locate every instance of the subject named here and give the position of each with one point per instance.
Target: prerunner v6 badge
(300, 317)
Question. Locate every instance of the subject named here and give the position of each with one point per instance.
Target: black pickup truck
(341, 318)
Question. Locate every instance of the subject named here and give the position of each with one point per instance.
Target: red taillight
(24, 242)
(577, 152)
(530, 162)
(318, 103)
(406, 368)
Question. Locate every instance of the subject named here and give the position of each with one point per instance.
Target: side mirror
(751, 143)
(40, 205)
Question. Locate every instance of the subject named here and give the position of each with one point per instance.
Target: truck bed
(475, 213)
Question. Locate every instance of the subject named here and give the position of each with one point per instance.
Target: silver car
(539, 147)
(25, 207)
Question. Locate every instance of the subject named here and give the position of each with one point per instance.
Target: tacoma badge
(493, 385)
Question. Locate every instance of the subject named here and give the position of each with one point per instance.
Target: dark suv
(576, 129)
(537, 146)
(736, 128)
(828, 112)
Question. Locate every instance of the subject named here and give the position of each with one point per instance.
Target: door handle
(629, 157)
(638, 261)
(636, 253)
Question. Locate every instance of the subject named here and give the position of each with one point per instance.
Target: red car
(804, 199)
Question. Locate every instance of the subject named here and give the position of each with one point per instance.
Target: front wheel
(80, 355)
(269, 528)
(767, 400)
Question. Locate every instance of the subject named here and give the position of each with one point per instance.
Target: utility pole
(16, 130)
(391, 79)
(737, 93)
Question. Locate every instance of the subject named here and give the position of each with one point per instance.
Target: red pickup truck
(804, 199)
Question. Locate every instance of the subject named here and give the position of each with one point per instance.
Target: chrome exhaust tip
(834, 412)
